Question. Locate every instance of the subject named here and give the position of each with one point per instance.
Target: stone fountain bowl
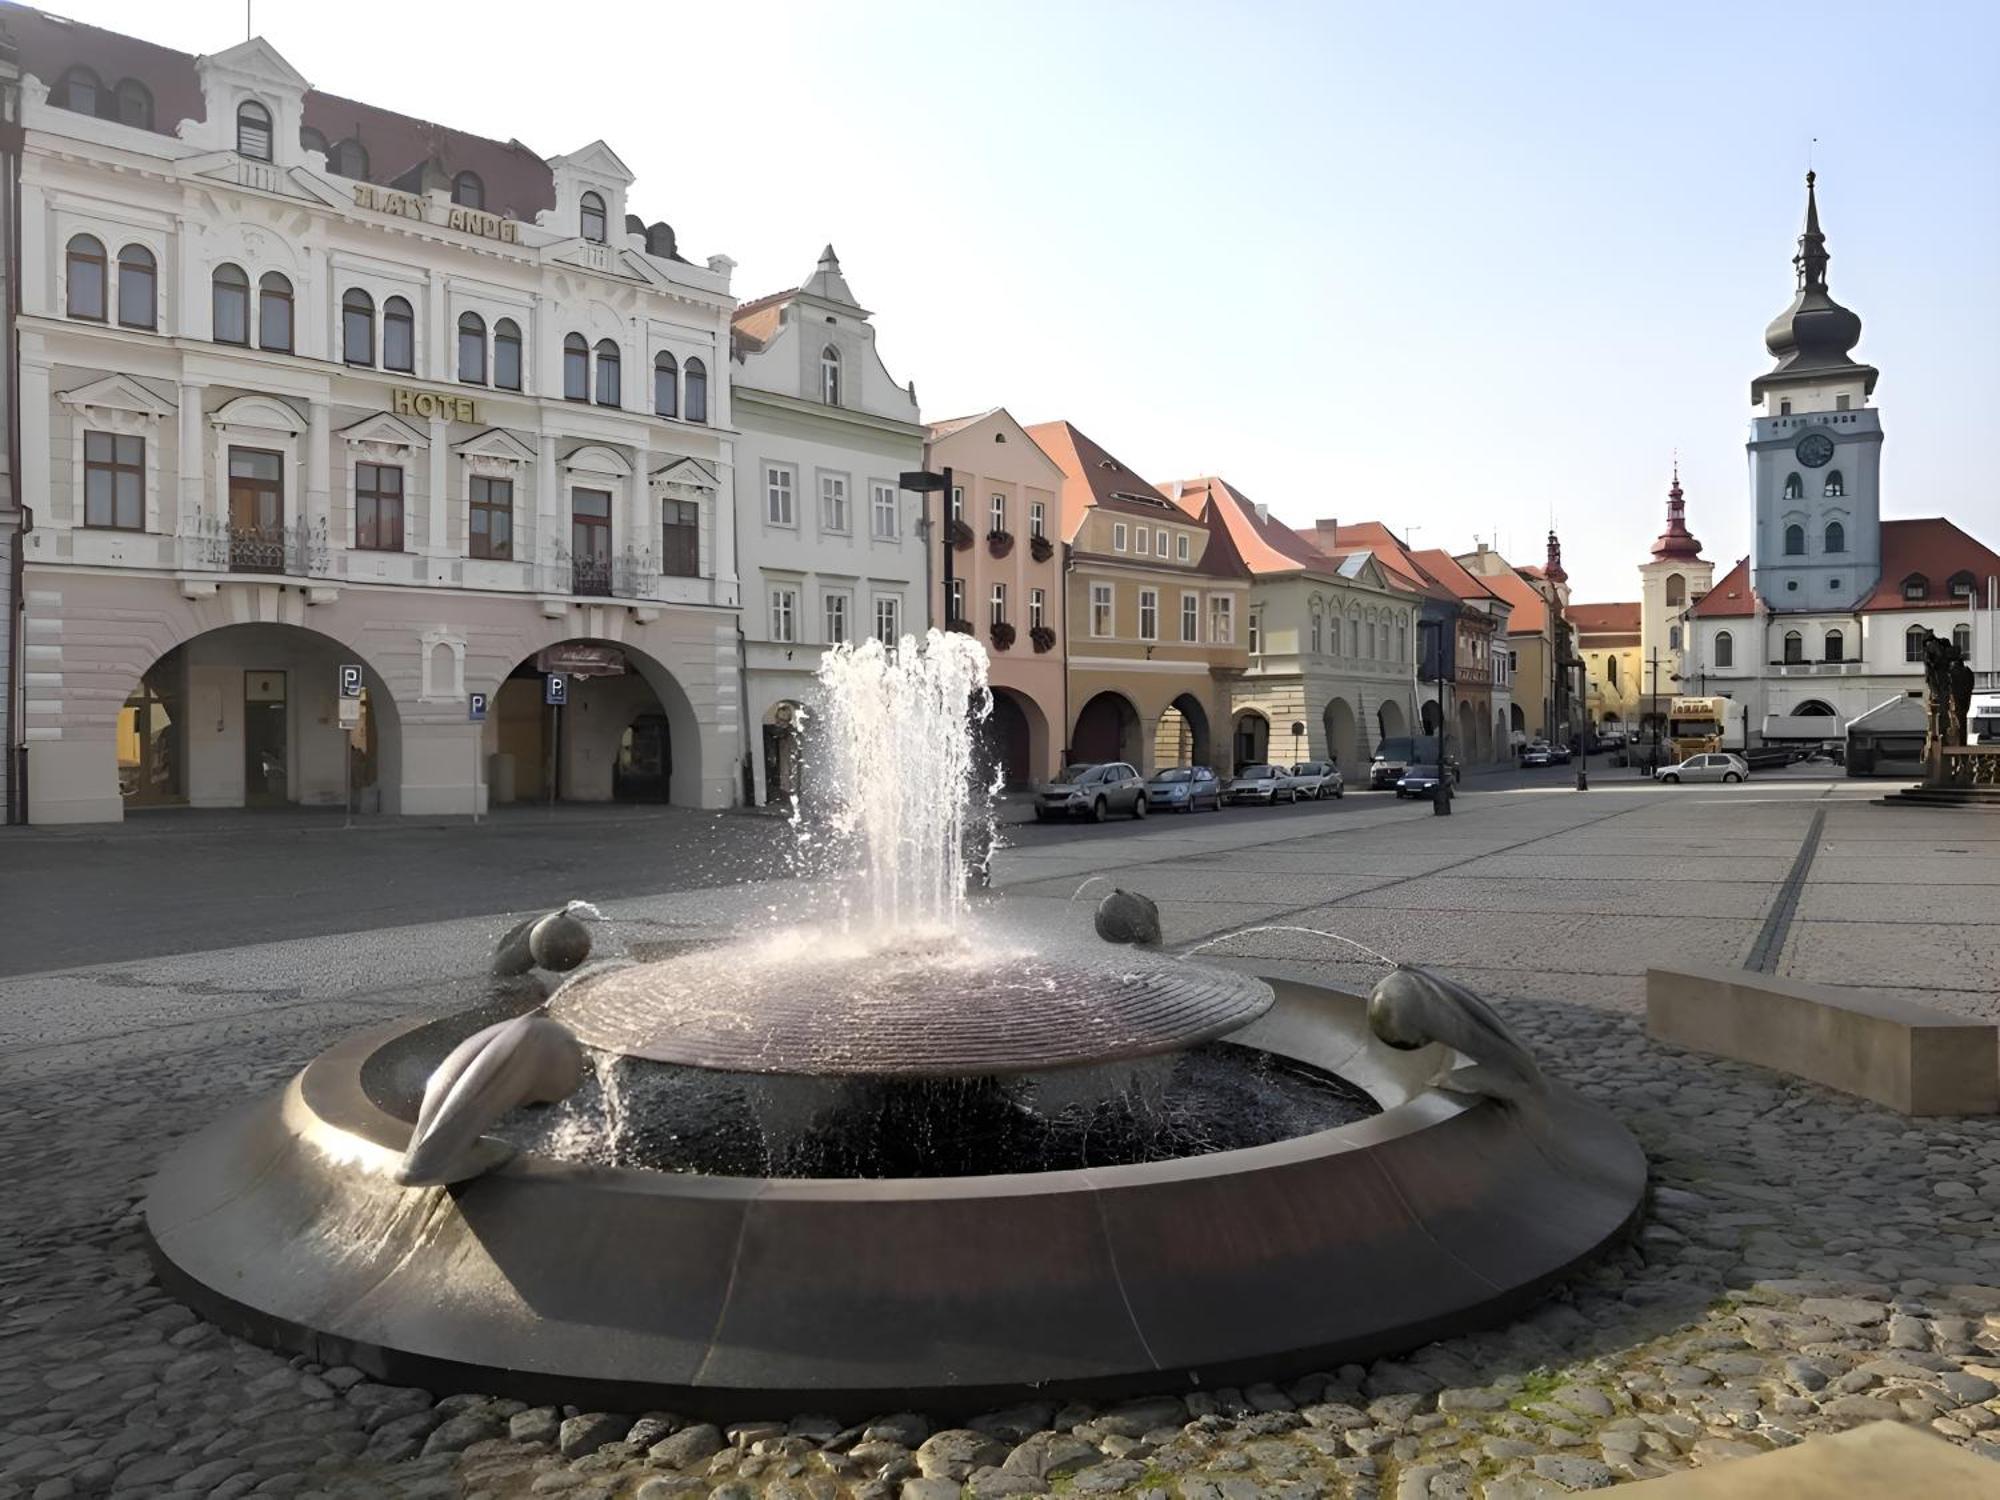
(629, 1289)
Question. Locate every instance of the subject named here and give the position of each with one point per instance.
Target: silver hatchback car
(1318, 779)
(1711, 767)
(1092, 791)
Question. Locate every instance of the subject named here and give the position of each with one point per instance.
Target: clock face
(1814, 449)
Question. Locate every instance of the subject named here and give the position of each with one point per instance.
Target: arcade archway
(1389, 720)
(1341, 729)
(1107, 728)
(625, 730)
(1014, 740)
(1250, 739)
(1182, 738)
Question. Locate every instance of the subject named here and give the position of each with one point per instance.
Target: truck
(1398, 753)
(1702, 726)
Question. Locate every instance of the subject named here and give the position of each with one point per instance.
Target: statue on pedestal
(1947, 702)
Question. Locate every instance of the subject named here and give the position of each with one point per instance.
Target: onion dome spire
(1811, 338)
(1675, 541)
(1553, 571)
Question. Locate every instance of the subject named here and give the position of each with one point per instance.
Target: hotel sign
(408, 403)
(455, 216)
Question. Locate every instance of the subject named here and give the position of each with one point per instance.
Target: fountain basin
(629, 1289)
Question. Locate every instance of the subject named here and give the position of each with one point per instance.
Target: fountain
(905, 1153)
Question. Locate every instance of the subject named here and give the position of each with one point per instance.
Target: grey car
(1092, 791)
(1184, 789)
(1712, 767)
(1261, 783)
(1318, 779)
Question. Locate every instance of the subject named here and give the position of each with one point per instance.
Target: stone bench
(1899, 1053)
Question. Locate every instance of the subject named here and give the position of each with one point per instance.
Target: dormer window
(79, 90)
(134, 104)
(829, 375)
(1916, 586)
(253, 130)
(591, 216)
(467, 191)
(1834, 485)
(1961, 585)
(349, 159)
(313, 140)
(1795, 488)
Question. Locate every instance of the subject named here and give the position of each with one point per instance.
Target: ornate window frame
(383, 438)
(116, 404)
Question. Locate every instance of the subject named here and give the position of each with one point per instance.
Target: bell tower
(1815, 449)
(1669, 581)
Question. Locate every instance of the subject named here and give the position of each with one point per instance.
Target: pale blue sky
(1451, 266)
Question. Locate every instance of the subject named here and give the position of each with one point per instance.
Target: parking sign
(556, 689)
(350, 679)
(475, 708)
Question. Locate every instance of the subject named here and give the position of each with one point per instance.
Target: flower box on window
(958, 533)
(963, 627)
(1002, 634)
(1044, 637)
(999, 543)
(1041, 548)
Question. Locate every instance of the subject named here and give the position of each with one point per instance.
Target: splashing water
(1087, 885)
(583, 911)
(1312, 931)
(890, 750)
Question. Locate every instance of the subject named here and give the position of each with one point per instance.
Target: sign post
(350, 715)
(555, 693)
(475, 714)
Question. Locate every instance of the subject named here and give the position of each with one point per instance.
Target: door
(264, 740)
(645, 761)
(256, 511)
(590, 541)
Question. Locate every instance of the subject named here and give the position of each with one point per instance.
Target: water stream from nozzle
(1380, 958)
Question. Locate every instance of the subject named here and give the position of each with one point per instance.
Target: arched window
(1795, 540)
(1676, 589)
(1913, 643)
(1795, 647)
(313, 140)
(507, 355)
(1834, 485)
(1611, 671)
(138, 288)
(229, 308)
(1795, 487)
(576, 368)
(1673, 638)
(274, 313)
(349, 158)
(399, 336)
(608, 392)
(467, 191)
(591, 215)
(1725, 649)
(694, 404)
(1961, 637)
(135, 104)
(1836, 537)
(79, 89)
(472, 348)
(1836, 646)
(253, 130)
(666, 385)
(829, 375)
(357, 327)
(84, 273)
(1916, 586)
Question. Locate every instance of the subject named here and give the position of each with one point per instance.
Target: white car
(1261, 783)
(1318, 779)
(1715, 767)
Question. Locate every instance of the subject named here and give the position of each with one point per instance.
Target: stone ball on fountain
(1128, 917)
(559, 942)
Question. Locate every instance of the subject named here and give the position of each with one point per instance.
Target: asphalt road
(182, 882)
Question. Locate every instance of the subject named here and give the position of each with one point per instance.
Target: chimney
(1327, 523)
(1177, 489)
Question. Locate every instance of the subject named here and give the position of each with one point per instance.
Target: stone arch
(1499, 746)
(1343, 735)
(1429, 715)
(1517, 721)
(1016, 736)
(1468, 734)
(1814, 708)
(1183, 736)
(1250, 738)
(1107, 728)
(1390, 720)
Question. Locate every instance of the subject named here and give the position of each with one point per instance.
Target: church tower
(1815, 449)
(1669, 581)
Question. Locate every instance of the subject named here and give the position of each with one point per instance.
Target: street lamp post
(924, 482)
(1441, 794)
(1583, 734)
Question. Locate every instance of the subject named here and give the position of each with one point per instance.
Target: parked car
(1420, 781)
(1559, 753)
(1184, 789)
(1396, 753)
(1094, 792)
(1318, 779)
(1261, 784)
(1537, 753)
(1712, 767)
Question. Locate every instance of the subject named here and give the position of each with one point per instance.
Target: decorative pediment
(260, 413)
(258, 59)
(685, 474)
(385, 429)
(595, 160)
(495, 443)
(117, 393)
(595, 458)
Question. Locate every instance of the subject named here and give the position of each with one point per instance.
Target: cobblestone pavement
(1808, 1262)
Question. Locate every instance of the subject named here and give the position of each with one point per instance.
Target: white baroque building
(307, 384)
(831, 548)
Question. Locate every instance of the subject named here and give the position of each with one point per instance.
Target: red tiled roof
(1603, 619)
(755, 323)
(1729, 597)
(1372, 536)
(1094, 480)
(1441, 568)
(1530, 611)
(1939, 551)
(518, 182)
(1263, 543)
(950, 425)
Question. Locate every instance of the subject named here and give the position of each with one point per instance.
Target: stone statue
(1413, 1007)
(557, 940)
(1128, 917)
(1961, 699)
(528, 1060)
(1939, 654)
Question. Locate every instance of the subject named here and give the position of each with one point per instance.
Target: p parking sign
(475, 708)
(350, 679)
(556, 689)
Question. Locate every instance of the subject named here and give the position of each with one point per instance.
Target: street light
(1441, 793)
(924, 482)
(1583, 735)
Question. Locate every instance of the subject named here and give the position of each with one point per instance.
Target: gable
(495, 442)
(597, 159)
(257, 59)
(383, 427)
(689, 473)
(118, 393)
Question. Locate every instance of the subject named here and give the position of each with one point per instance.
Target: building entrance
(265, 740)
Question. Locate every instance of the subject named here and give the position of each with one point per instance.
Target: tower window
(1676, 589)
(1725, 649)
(829, 375)
(1836, 646)
(591, 216)
(1673, 638)
(253, 130)
(1795, 539)
(1795, 487)
(1841, 403)
(1834, 485)
(1836, 537)
(1795, 648)
(467, 191)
